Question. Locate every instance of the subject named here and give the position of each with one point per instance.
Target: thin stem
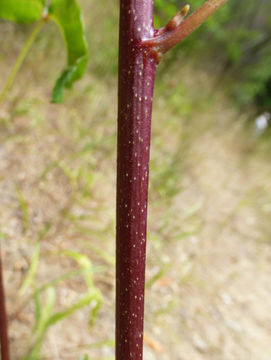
(20, 59)
(3, 317)
(178, 29)
(139, 46)
(136, 79)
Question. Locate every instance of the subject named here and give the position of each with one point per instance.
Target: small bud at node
(185, 10)
(178, 18)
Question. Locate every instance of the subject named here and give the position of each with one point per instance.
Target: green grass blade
(62, 277)
(30, 277)
(91, 297)
(41, 324)
(38, 311)
(23, 206)
(85, 263)
(31, 274)
(82, 260)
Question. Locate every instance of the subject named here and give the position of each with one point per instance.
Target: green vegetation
(67, 15)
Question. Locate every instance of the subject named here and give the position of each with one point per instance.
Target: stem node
(179, 28)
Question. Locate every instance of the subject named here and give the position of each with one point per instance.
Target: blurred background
(209, 235)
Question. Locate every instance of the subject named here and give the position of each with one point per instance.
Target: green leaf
(67, 15)
(68, 76)
(21, 11)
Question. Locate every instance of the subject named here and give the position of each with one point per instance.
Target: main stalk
(140, 49)
(136, 79)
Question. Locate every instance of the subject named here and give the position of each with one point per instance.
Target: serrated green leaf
(21, 11)
(67, 15)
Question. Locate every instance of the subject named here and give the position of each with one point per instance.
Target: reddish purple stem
(140, 49)
(136, 79)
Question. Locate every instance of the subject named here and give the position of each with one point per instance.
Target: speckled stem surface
(140, 49)
(136, 79)
(3, 317)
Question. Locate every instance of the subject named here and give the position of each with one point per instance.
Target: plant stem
(168, 37)
(3, 317)
(140, 48)
(20, 59)
(136, 79)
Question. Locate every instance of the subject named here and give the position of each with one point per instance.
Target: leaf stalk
(178, 29)
(20, 59)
